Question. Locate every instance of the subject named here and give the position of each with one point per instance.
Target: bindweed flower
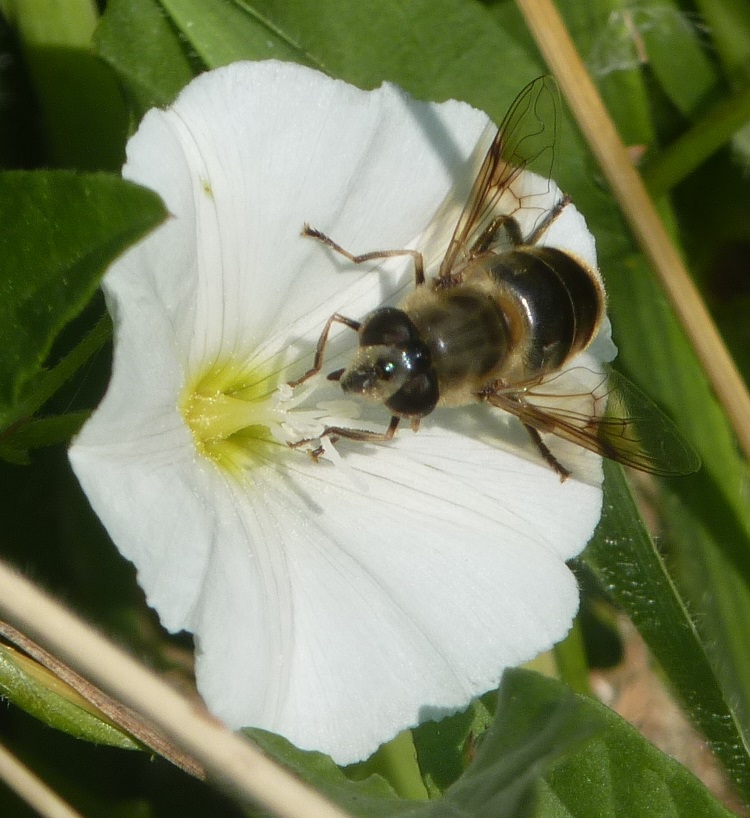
(335, 601)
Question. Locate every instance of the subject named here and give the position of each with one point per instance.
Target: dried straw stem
(560, 53)
(229, 760)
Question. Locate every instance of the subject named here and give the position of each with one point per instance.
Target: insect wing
(614, 419)
(525, 139)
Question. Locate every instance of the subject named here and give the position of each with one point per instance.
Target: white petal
(136, 458)
(333, 604)
(148, 491)
(372, 178)
(411, 592)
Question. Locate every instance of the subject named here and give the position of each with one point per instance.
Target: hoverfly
(501, 322)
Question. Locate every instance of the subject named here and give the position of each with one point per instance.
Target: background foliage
(75, 81)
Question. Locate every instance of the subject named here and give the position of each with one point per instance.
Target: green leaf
(462, 50)
(46, 431)
(618, 773)
(589, 757)
(676, 56)
(396, 761)
(60, 231)
(348, 40)
(80, 106)
(14, 423)
(223, 32)
(138, 40)
(455, 49)
(537, 721)
(703, 519)
(34, 689)
(624, 558)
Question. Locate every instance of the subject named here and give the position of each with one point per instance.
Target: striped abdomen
(552, 305)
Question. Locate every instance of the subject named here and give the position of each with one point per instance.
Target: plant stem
(396, 761)
(691, 149)
(586, 105)
(570, 657)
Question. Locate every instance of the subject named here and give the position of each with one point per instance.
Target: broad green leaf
(223, 32)
(80, 107)
(677, 57)
(60, 231)
(138, 40)
(537, 722)
(624, 558)
(465, 55)
(618, 773)
(586, 754)
(396, 761)
(34, 689)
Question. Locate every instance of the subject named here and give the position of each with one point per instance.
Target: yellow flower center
(241, 416)
(232, 412)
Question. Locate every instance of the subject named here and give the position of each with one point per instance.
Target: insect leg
(548, 219)
(312, 233)
(488, 237)
(336, 432)
(547, 454)
(363, 434)
(318, 360)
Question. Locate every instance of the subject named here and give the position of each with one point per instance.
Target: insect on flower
(502, 322)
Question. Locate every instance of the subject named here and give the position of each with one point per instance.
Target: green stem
(572, 666)
(685, 154)
(395, 761)
(729, 24)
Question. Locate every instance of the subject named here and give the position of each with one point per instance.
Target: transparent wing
(524, 140)
(614, 419)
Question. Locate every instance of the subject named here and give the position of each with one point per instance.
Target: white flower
(335, 602)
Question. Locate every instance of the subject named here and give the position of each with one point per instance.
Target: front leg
(312, 233)
(336, 432)
(320, 348)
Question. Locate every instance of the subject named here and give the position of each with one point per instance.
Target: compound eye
(387, 326)
(417, 397)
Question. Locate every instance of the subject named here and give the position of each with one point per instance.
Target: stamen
(230, 420)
